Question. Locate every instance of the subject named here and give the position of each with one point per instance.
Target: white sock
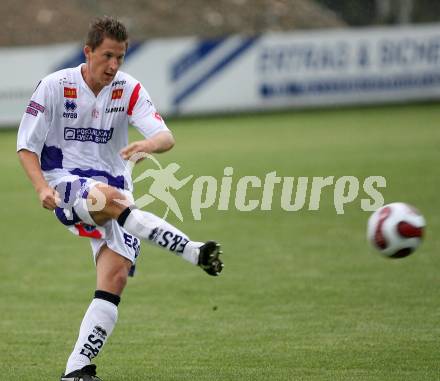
(151, 228)
(96, 327)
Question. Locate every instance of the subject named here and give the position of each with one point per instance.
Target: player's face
(103, 63)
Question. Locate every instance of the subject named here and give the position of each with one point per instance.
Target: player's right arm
(31, 164)
(32, 134)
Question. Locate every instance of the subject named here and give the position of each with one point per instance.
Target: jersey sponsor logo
(119, 83)
(93, 135)
(37, 106)
(169, 240)
(94, 343)
(117, 93)
(31, 111)
(70, 115)
(158, 117)
(70, 92)
(114, 109)
(132, 243)
(70, 107)
(34, 107)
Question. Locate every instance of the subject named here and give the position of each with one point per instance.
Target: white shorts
(117, 239)
(74, 189)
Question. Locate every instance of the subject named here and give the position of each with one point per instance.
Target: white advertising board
(271, 71)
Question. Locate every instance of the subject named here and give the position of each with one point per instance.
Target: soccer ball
(396, 229)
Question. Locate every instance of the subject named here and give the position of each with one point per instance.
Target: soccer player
(73, 145)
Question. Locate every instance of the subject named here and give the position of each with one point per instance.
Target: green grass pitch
(302, 296)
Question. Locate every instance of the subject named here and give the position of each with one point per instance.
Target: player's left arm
(144, 116)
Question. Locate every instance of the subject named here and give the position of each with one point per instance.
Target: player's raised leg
(149, 227)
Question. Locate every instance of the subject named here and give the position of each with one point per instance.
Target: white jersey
(75, 132)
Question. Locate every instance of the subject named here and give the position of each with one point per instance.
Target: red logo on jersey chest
(70, 92)
(157, 116)
(117, 93)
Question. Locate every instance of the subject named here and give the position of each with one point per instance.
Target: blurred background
(49, 21)
(274, 54)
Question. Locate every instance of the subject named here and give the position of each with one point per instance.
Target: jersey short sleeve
(35, 122)
(142, 113)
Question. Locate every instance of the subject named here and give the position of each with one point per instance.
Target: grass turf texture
(302, 296)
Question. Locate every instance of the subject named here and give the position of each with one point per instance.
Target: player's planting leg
(96, 327)
(100, 319)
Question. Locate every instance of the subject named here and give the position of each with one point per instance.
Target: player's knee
(113, 200)
(116, 199)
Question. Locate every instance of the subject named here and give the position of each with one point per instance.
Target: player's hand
(49, 198)
(136, 151)
(161, 142)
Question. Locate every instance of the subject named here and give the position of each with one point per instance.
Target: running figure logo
(164, 179)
